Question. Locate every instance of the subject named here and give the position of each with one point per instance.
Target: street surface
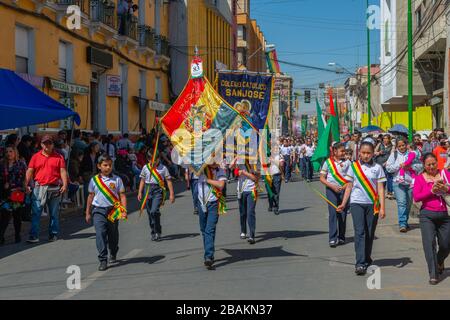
(291, 259)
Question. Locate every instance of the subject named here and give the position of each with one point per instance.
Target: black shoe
(53, 238)
(18, 239)
(209, 263)
(103, 266)
(360, 271)
(433, 282)
(276, 211)
(153, 237)
(403, 230)
(112, 259)
(158, 237)
(196, 212)
(33, 240)
(333, 244)
(341, 242)
(251, 241)
(270, 209)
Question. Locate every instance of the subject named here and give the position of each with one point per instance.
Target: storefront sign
(68, 87)
(158, 106)
(113, 86)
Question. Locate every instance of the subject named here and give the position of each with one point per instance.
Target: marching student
(332, 176)
(286, 154)
(247, 194)
(276, 162)
(212, 203)
(108, 201)
(153, 178)
(366, 192)
(192, 183)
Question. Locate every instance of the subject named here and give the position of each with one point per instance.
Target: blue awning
(23, 105)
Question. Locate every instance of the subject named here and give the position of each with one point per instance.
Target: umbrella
(370, 129)
(399, 129)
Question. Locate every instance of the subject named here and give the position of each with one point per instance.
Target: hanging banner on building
(249, 94)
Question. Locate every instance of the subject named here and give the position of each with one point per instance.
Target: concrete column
(101, 115)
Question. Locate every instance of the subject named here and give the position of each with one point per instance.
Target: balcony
(162, 50)
(60, 6)
(128, 31)
(147, 44)
(103, 18)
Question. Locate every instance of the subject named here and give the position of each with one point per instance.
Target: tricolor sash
(160, 181)
(367, 186)
(217, 193)
(118, 210)
(335, 172)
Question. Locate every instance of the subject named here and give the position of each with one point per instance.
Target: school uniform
(308, 164)
(106, 232)
(247, 194)
(275, 173)
(155, 196)
(362, 210)
(209, 211)
(286, 153)
(193, 182)
(336, 221)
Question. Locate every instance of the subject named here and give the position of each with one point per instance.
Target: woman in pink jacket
(430, 188)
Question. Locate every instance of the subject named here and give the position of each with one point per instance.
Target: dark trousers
(5, 217)
(208, 222)
(153, 204)
(303, 167)
(194, 191)
(287, 168)
(309, 168)
(274, 200)
(364, 224)
(337, 222)
(106, 233)
(435, 225)
(247, 211)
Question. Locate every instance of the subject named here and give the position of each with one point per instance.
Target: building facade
(206, 25)
(112, 68)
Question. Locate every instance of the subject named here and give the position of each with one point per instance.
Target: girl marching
(366, 192)
(153, 178)
(332, 176)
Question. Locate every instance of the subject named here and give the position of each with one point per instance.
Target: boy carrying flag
(153, 178)
(108, 203)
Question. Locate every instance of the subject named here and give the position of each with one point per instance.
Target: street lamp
(334, 64)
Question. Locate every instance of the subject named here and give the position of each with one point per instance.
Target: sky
(315, 33)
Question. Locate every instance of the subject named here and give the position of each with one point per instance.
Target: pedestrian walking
(48, 171)
(276, 162)
(192, 184)
(286, 152)
(402, 185)
(12, 186)
(366, 193)
(332, 176)
(106, 205)
(441, 152)
(212, 202)
(152, 193)
(430, 188)
(247, 195)
(309, 152)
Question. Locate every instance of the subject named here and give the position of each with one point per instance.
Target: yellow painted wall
(422, 119)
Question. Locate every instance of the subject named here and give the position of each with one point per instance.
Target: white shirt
(245, 184)
(149, 179)
(342, 167)
(114, 183)
(275, 165)
(393, 167)
(310, 150)
(205, 194)
(285, 151)
(374, 173)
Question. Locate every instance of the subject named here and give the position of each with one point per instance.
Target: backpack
(417, 165)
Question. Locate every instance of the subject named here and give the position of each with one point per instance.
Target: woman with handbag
(12, 182)
(431, 188)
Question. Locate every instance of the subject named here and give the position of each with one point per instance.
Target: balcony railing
(162, 45)
(104, 12)
(128, 26)
(83, 4)
(147, 37)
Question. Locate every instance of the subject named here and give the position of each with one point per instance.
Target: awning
(400, 103)
(23, 105)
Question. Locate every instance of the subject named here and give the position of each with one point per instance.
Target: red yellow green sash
(118, 210)
(368, 188)
(160, 181)
(335, 172)
(217, 193)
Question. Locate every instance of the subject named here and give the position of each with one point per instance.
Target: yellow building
(207, 25)
(101, 68)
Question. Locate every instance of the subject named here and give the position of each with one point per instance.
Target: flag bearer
(153, 178)
(366, 192)
(212, 203)
(332, 176)
(247, 194)
(108, 201)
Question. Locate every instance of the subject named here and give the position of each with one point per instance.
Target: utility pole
(369, 107)
(410, 73)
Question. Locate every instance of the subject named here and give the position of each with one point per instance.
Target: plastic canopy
(21, 104)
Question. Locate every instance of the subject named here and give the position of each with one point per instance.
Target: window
(242, 32)
(242, 56)
(62, 61)
(22, 49)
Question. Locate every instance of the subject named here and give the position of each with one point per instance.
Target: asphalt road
(291, 259)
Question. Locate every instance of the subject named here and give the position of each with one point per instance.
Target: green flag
(323, 147)
(335, 119)
(320, 125)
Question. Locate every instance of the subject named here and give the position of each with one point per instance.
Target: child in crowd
(413, 155)
(108, 202)
(348, 154)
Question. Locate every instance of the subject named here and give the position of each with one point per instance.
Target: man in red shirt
(48, 171)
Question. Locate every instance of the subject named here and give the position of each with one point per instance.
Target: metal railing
(147, 37)
(128, 25)
(104, 12)
(83, 4)
(162, 45)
